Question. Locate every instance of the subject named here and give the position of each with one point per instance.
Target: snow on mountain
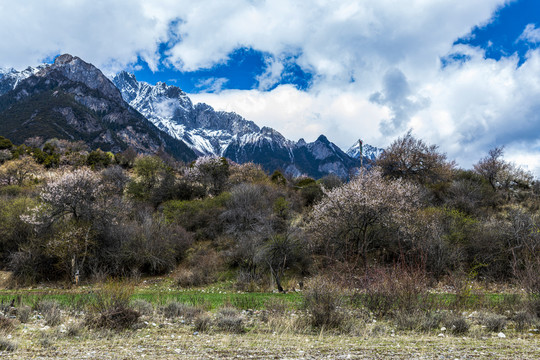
(210, 132)
(206, 131)
(10, 78)
(73, 100)
(369, 152)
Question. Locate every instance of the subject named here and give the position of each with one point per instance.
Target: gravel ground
(176, 340)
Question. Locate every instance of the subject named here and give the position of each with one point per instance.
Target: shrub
(522, 320)
(387, 290)
(204, 263)
(111, 308)
(417, 320)
(51, 312)
(494, 322)
(53, 316)
(117, 318)
(74, 328)
(143, 307)
(229, 320)
(202, 323)
(23, 313)
(6, 345)
(322, 301)
(175, 309)
(6, 324)
(457, 324)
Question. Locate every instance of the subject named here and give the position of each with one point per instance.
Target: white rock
(443, 329)
(501, 335)
(441, 335)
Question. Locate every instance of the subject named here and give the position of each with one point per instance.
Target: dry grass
(166, 341)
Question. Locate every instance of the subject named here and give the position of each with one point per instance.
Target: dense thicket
(65, 210)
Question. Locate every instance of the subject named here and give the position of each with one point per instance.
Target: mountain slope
(73, 100)
(228, 134)
(370, 153)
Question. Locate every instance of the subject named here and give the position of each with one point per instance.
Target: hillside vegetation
(414, 242)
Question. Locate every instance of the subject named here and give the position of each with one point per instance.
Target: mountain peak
(323, 139)
(63, 59)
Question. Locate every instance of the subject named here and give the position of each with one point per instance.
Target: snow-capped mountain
(210, 132)
(369, 152)
(206, 131)
(10, 78)
(73, 100)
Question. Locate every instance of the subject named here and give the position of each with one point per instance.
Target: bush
(175, 309)
(387, 290)
(6, 324)
(6, 345)
(202, 323)
(51, 312)
(229, 320)
(143, 307)
(118, 318)
(204, 263)
(201, 216)
(418, 320)
(111, 307)
(23, 313)
(53, 316)
(74, 328)
(457, 324)
(322, 301)
(494, 322)
(522, 320)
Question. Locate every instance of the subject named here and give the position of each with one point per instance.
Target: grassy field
(217, 322)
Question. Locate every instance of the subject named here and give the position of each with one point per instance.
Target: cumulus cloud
(530, 34)
(212, 84)
(376, 64)
(399, 98)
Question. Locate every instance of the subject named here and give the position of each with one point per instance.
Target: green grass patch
(208, 300)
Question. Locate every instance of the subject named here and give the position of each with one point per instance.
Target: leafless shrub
(389, 289)
(176, 309)
(494, 322)
(204, 264)
(202, 323)
(229, 320)
(111, 308)
(74, 328)
(457, 324)
(522, 320)
(23, 313)
(50, 309)
(417, 320)
(143, 307)
(322, 300)
(6, 324)
(6, 345)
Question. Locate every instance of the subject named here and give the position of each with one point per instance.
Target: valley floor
(170, 342)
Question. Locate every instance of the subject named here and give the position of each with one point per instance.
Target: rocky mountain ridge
(97, 102)
(73, 100)
(210, 132)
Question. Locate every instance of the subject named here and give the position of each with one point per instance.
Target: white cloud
(212, 84)
(530, 34)
(354, 49)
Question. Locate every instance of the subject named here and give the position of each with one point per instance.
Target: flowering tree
(19, 170)
(210, 171)
(343, 222)
(73, 204)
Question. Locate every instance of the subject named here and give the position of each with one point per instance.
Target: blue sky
(240, 69)
(461, 74)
